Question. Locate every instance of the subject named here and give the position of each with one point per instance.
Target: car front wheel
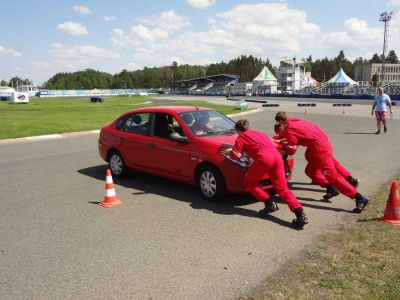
(211, 183)
(117, 164)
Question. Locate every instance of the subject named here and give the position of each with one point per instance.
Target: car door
(166, 157)
(133, 132)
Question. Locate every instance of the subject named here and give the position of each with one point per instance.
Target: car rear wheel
(117, 164)
(211, 183)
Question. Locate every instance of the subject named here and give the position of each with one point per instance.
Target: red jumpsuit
(267, 162)
(322, 166)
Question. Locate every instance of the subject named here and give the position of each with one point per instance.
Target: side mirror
(176, 137)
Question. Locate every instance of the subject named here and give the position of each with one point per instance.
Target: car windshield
(208, 122)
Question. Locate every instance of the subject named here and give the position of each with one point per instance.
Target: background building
(366, 72)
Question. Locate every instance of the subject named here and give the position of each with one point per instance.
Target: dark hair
(276, 128)
(281, 116)
(242, 125)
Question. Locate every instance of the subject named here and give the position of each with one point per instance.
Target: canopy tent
(265, 77)
(341, 79)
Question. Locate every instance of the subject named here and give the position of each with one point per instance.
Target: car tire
(117, 164)
(211, 183)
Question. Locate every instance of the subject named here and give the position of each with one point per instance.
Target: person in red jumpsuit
(322, 166)
(266, 161)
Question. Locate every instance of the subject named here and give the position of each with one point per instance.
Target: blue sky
(41, 38)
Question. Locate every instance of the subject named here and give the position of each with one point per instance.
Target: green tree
(392, 57)
(375, 58)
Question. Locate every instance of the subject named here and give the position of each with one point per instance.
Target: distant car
(177, 142)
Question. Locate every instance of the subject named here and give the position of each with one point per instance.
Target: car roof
(169, 109)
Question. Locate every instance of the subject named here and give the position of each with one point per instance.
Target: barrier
(270, 105)
(342, 104)
(306, 104)
(96, 99)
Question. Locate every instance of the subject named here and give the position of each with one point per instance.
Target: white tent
(265, 77)
(341, 79)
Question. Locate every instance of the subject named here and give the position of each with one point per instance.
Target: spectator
(381, 102)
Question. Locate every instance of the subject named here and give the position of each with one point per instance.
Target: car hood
(219, 140)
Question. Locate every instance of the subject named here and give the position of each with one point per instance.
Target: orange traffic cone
(344, 110)
(392, 211)
(110, 198)
(306, 110)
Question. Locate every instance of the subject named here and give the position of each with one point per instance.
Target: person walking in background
(266, 161)
(381, 102)
(322, 166)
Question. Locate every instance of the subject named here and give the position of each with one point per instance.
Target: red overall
(267, 162)
(322, 166)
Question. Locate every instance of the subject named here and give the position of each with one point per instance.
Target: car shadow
(151, 184)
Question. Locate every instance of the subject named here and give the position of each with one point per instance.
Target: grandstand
(215, 85)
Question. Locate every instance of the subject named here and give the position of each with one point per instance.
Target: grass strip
(357, 261)
(57, 115)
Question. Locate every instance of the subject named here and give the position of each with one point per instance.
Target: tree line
(247, 67)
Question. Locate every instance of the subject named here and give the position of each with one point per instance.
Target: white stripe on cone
(110, 192)
(109, 179)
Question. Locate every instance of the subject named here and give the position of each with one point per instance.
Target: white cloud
(358, 39)
(139, 35)
(394, 2)
(168, 20)
(80, 9)
(73, 28)
(109, 18)
(262, 30)
(88, 52)
(130, 66)
(9, 52)
(200, 3)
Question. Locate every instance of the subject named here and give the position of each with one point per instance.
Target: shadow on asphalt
(149, 184)
(359, 133)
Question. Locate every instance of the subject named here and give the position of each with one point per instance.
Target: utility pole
(385, 18)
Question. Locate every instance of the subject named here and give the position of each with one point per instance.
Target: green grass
(360, 261)
(57, 115)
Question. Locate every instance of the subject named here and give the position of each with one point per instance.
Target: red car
(177, 142)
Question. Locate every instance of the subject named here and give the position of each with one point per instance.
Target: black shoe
(353, 181)
(330, 192)
(385, 129)
(270, 207)
(301, 218)
(361, 204)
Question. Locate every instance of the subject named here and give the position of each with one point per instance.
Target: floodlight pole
(385, 18)
(294, 76)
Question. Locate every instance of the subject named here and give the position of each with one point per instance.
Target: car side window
(165, 124)
(134, 123)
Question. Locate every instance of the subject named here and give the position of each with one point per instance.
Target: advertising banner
(20, 97)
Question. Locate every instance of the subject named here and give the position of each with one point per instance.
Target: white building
(365, 72)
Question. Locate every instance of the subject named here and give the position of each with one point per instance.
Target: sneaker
(353, 181)
(385, 129)
(301, 219)
(330, 192)
(270, 207)
(361, 204)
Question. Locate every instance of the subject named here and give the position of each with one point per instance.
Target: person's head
(278, 129)
(242, 125)
(204, 117)
(380, 90)
(281, 118)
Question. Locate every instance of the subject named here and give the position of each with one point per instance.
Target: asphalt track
(164, 242)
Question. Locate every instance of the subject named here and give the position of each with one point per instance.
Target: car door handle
(151, 145)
